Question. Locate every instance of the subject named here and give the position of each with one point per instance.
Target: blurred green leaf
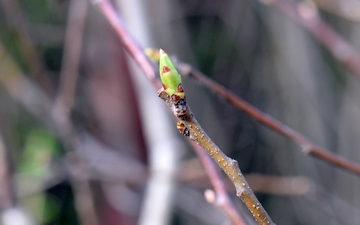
(40, 148)
(44, 207)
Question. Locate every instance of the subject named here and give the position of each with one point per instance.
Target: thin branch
(306, 145)
(133, 48)
(6, 193)
(85, 203)
(222, 199)
(228, 165)
(137, 53)
(307, 16)
(260, 183)
(71, 57)
(346, 9)
(39, 105)
(157, 201)
(18, 23)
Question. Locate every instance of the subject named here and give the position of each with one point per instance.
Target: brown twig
(228, 165)
(306, 145)
(71, 58)
(137, 54)
(222, 199)
(307, 16)
(133, 48)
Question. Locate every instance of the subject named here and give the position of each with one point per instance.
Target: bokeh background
(84, 139)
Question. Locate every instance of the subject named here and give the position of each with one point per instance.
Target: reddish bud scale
(175, 98)
(182, 129)
(165, 69)
(180, 89)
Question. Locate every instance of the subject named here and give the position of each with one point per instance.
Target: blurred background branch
(27, 46)
(306, 145)
(306, 15)
(347, 9)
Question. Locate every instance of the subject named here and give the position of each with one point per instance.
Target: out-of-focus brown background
(84, 139)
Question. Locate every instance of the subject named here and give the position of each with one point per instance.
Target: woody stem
(228, 165)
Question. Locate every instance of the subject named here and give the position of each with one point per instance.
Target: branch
(71, 58)
(6, 193)
(183, 112)
(307, 16)
(17, 21)
(306, 145)
(38, 104)
(346, 9)
(137, 53)
(133, 48)
(222, 199)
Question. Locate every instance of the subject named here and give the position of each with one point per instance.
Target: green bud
(170, 77)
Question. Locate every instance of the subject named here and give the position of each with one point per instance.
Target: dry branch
(137, 53)
(222, 199)
(228, 165)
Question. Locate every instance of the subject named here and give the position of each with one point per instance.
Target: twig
(172, 92)
(130, 45)
(306, 145)
(157, 200)
(279, 185)
(307, 16)
(222, 199)
(259, 183)
(85, 203)
(18, 23)
(71, 58)
(39, 105)
(228, 165)
(347, 9)
(6, 193)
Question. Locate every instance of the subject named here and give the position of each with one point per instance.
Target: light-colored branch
(228, 165)
(161, 140)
